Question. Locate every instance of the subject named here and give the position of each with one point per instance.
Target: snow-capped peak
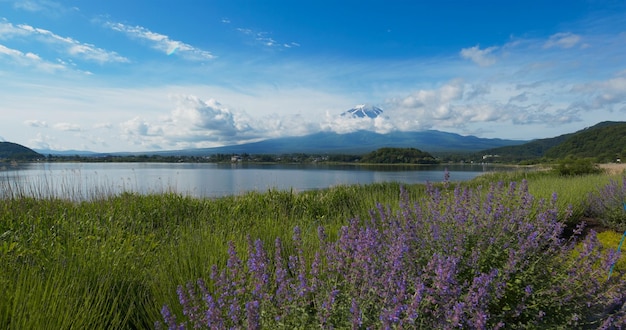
(363, 111)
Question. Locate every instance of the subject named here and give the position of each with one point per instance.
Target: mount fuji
(363, 111)
(357, 142)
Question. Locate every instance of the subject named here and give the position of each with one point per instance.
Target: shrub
(608, 204)
(577, 166)
(455, 258)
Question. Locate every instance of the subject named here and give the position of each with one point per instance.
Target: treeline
(380, 156)
(213, 158)
(125, 159)
(399, 156)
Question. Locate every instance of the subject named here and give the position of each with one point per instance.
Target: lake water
(81, 181)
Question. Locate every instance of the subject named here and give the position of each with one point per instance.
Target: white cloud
(41, 141)
(136, 127)
(482, 57)
(477, 90)
(45, 6)
(67, 45)
(206, 117)
(36, 123)
(432, 99)
(607, 94)
(30, 60)
(68, 127)
(264, 38)
(193, 123)
(347, 124)
(291, 45)
(449, 108)
(162, 42)
(103, 125)
(8, 30)
(275, 125)
(562, 40)
(522, 97)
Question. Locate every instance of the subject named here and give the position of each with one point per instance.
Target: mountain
(67, 152)
(14, 151)
(364, 111)
(604, 141)
(359, 142)
(532, 150)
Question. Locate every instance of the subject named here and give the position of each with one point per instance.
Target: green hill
(534, 149)
(604, 142)
(14, 151)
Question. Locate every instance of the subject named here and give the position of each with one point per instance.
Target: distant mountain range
(354, 143)
(70, 152)
(604, 142)
(359, 142)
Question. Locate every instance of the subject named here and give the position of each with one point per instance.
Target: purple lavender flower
(169, 318)
(446, 178)
(355, 311)
(253, 318)
(608, 203)
(475, 258)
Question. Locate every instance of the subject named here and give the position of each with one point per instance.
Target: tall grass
(112, 261)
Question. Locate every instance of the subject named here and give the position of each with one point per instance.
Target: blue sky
(141, 75)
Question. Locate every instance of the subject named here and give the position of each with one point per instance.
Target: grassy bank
(114, 262)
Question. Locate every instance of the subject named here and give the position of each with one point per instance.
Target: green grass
(610, 240)
(112, 262)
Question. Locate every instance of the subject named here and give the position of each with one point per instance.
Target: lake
(80, 181)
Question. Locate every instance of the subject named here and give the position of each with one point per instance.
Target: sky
(148, 75)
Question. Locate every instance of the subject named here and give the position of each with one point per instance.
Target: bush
(455, 258)
(608, 204)
(580, 166)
